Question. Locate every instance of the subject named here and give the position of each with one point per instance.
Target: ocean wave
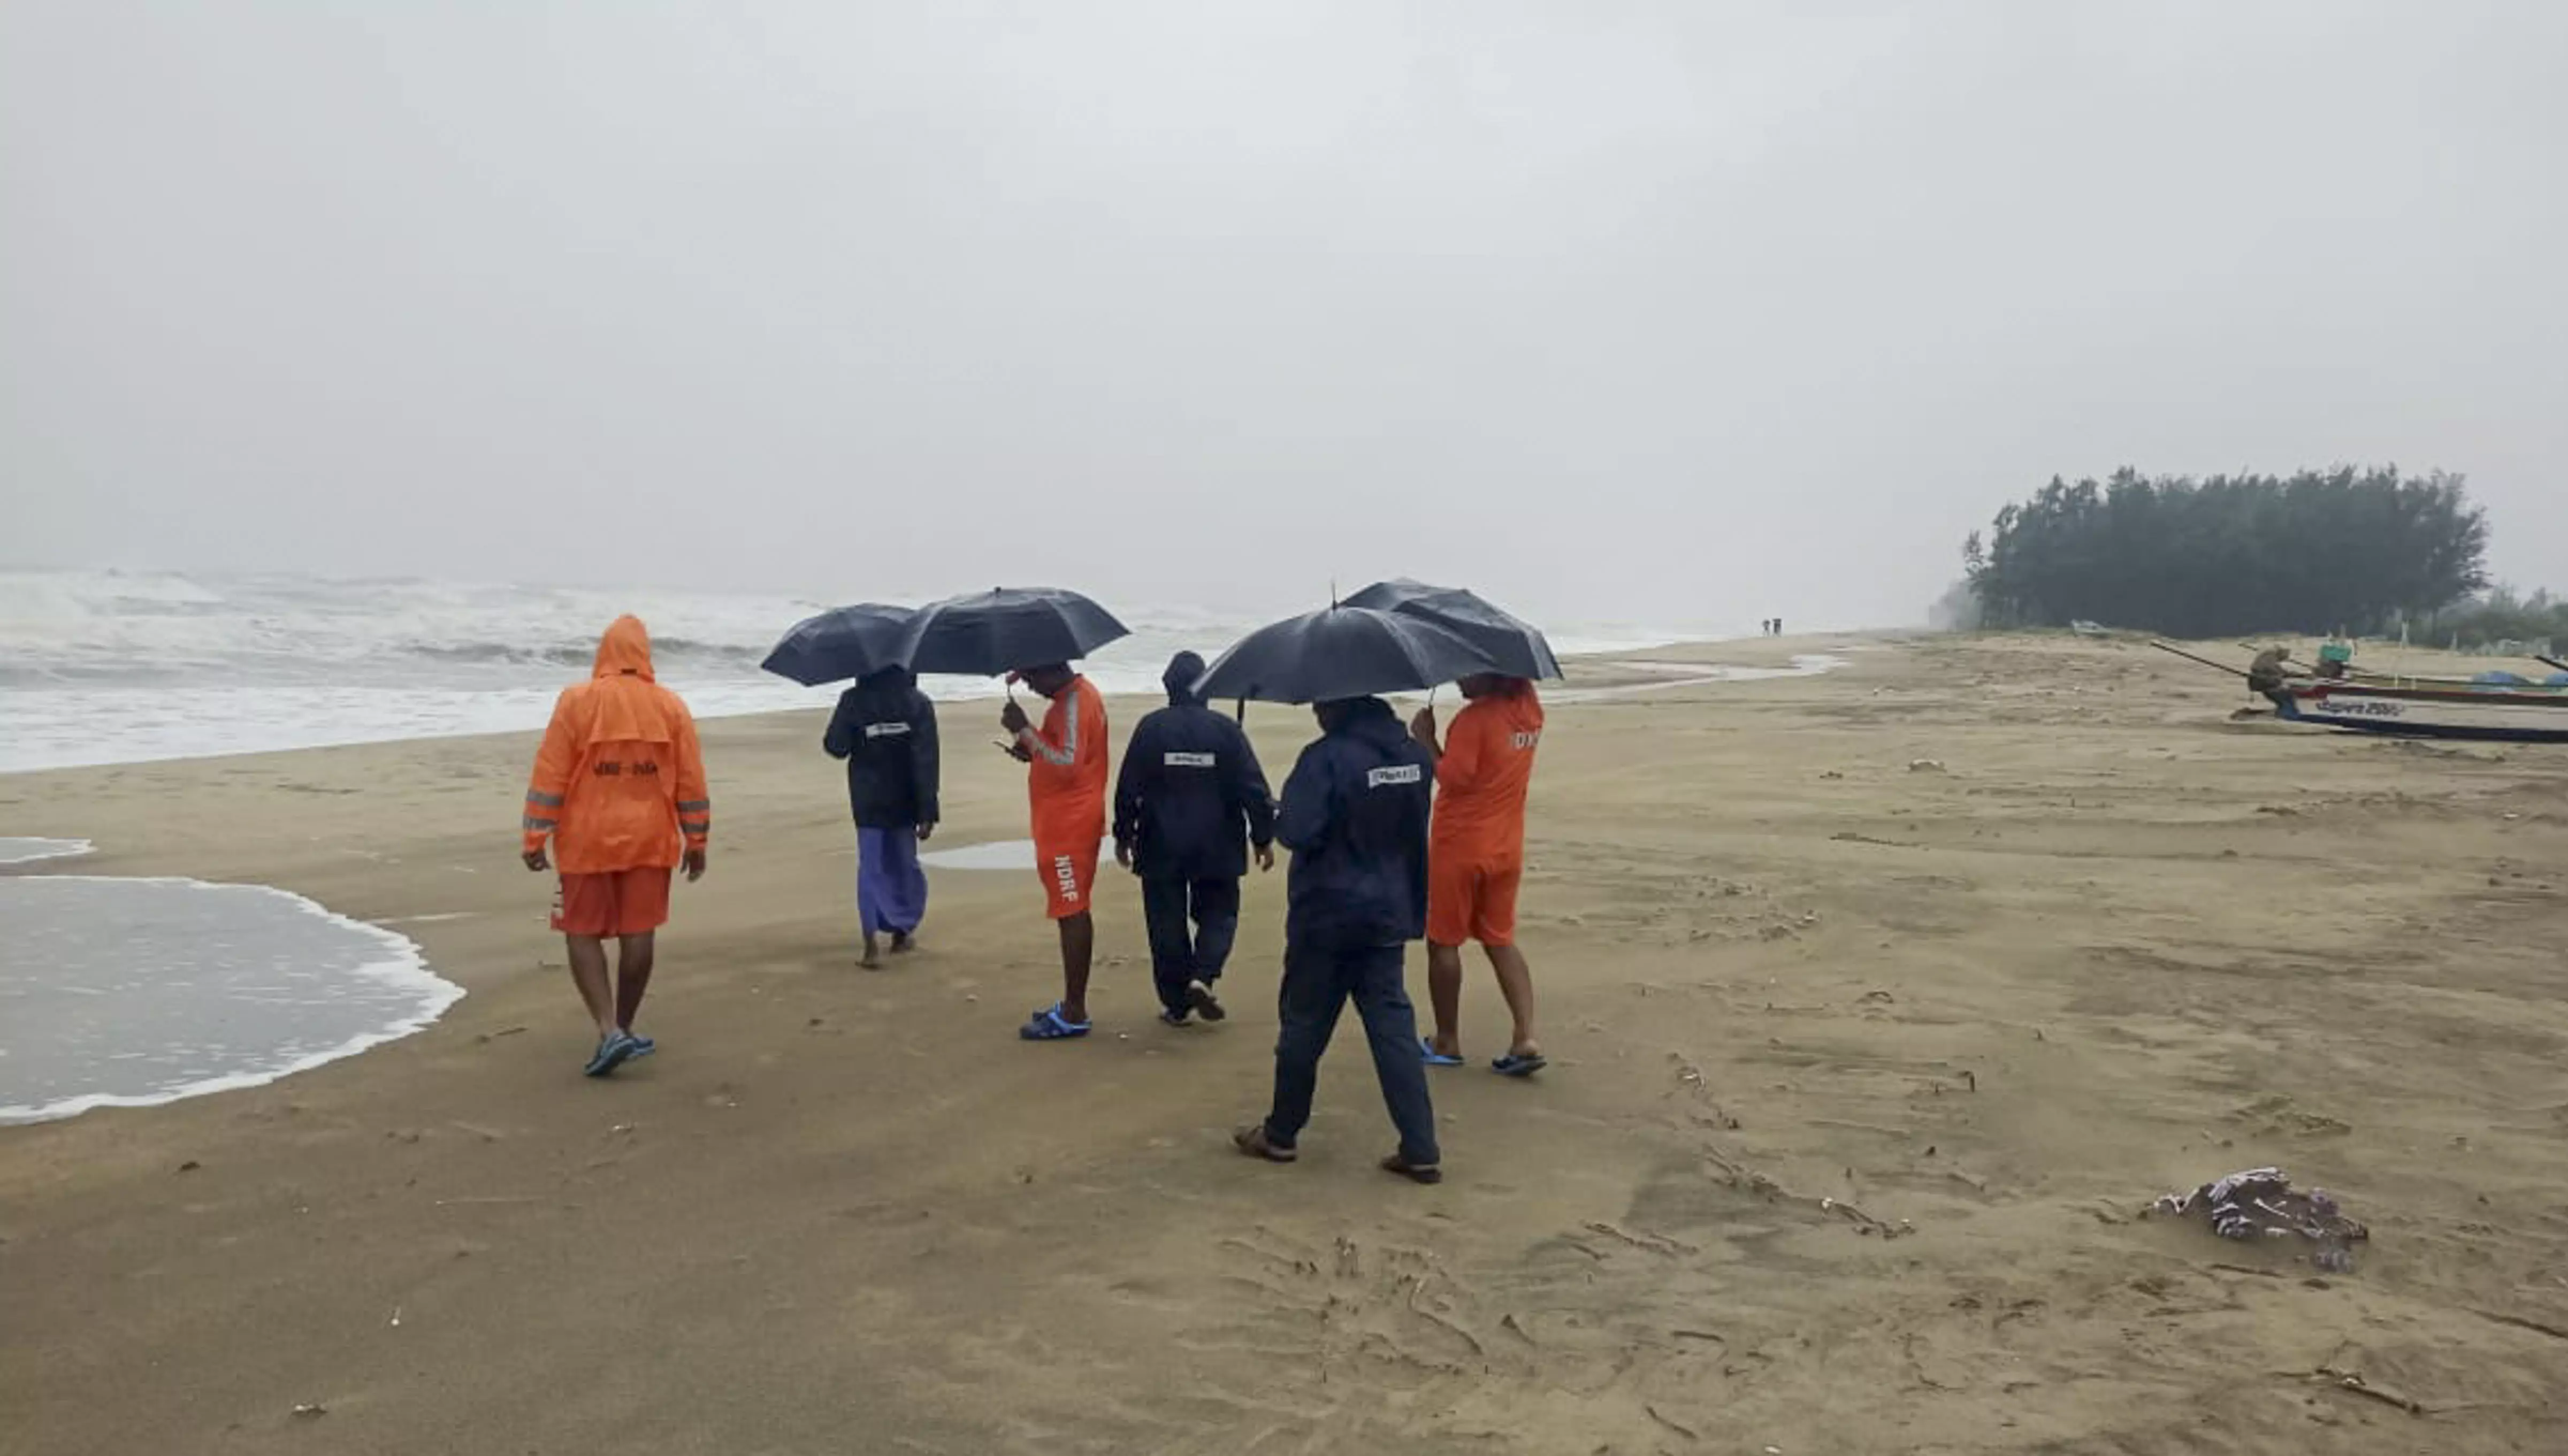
(108, 666)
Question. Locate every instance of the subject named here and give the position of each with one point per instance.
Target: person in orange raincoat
(1066, 787)
(1475, 856)
(619, 791)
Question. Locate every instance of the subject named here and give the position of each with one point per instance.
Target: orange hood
(625, 649)
(625, 704)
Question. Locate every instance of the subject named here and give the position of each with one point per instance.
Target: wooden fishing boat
(2413, 709)
(2456, 711)
(2489, 682)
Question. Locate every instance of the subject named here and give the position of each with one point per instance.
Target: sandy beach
(1880, 1003)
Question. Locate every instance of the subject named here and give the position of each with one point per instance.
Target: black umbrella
(1514, 645)
(1341, 651)
(849, 642)
(992, 632)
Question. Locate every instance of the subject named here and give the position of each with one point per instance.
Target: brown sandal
(1253, 1142)
(1426, 1173)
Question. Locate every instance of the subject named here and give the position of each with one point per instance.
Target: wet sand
(1880, 1003)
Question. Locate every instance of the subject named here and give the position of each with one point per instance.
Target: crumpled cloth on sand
(2261, 1204)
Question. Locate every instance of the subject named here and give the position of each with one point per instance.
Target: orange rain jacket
(619, 782)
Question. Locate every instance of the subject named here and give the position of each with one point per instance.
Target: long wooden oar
(2206, 662)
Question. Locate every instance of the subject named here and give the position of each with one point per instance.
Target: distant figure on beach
(1065, 787)
(1355, 815)
(886, 729)
(1190, 803)
(1482, 770)
(619, 791)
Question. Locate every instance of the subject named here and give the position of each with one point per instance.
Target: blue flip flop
(612, 1052)
(1049, 1024)
(642, 1046)
(1428, 1054)
(1512, 1066)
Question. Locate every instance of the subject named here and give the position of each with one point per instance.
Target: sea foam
(128, 993)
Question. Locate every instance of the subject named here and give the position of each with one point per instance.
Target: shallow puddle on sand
(999, 854)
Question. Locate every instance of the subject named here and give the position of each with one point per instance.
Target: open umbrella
(849, 642)
(1515, 646)
(992, 632)
(1341, 651)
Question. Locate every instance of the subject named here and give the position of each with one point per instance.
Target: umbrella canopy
(849, 642)
(1341, 651)
(1515, 646)
(992, 632)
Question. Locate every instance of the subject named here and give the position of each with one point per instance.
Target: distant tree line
(2538, 621)
(2352, 549)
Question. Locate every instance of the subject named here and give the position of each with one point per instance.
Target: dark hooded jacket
(1190, 797)
(1355, 815)
(886, 731)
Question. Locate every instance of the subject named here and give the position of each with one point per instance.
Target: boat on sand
(2407, 708)
(2501, 715)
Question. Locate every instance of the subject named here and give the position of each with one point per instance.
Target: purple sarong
(891, 888)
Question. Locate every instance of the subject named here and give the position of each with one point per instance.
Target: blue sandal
(612, 1052)
(1049, 1024)
(1428, 1054)
(1512, 1066)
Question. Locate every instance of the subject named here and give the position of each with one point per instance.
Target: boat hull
(2493, 715)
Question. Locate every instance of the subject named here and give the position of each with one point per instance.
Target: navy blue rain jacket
(886, 731)
(1190, 796)
(1355, 815)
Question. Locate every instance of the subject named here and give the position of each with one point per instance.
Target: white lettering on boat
(2361, 707)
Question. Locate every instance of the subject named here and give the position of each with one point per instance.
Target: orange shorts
(1471, 899)
(1069, 875)
(617, 903)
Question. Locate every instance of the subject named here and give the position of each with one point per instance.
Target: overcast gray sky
(1679, 311)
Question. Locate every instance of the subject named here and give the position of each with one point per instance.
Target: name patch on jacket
(886, 730)
(1395, 774)
(1190, 760)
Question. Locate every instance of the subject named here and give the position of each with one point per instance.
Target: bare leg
(1516, 983)
(873, 951)
(1444, 991)
(588, 972)
(632, 976)
(1077, 948)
